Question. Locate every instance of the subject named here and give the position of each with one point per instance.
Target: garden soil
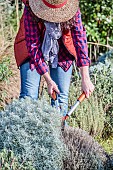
(10, 90)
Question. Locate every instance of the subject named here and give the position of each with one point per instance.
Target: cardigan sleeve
(32, 36)
(80, 41)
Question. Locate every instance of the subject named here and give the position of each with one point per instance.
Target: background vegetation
(94, 115)
(98, 18)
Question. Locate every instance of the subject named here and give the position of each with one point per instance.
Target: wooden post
(17, 13)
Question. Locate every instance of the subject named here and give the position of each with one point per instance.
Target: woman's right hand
(52, 87)
(51, 84)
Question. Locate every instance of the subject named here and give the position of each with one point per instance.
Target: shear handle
(54, 95)
(81, 97)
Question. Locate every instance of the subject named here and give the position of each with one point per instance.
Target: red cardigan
(20, 49)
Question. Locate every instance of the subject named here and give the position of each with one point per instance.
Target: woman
(53, 33)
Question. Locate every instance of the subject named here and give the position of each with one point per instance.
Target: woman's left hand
(87, 87)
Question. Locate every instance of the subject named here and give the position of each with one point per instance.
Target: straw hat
(54, 10)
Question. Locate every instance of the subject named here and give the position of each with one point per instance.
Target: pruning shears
(78, 101)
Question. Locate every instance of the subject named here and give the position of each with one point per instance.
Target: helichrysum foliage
(8, 161)
(31, 129)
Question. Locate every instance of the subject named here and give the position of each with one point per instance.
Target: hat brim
(56, 15)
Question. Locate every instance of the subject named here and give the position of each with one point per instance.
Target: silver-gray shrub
(102, 72)
(31, 129)
(85, 153)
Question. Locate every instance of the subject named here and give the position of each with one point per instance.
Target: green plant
(98, 18)
(107, 144)
(32, 130)
(9, 15)
(5, 71)
(92, 115)
(104, 89)
(89, 116)
(6, 28)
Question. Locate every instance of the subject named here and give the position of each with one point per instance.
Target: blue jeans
(30, 82)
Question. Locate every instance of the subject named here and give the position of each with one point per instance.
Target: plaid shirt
(65, 59)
